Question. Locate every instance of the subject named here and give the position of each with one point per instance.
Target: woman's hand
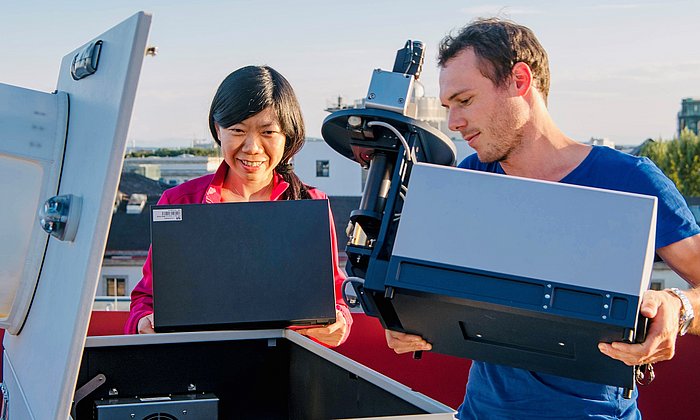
(330, 335)
(146, 325)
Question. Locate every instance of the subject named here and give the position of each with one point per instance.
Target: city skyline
(619, 70)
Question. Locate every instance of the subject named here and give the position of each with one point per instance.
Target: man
(494, 81)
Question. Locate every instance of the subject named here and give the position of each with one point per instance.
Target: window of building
(657, 284)
(115, 286)
(322, 168)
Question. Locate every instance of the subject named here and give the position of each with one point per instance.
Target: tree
(166, 152)
(679, 159)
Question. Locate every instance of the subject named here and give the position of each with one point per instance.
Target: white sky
(619, 68)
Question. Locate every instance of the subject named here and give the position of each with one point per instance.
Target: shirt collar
(213, 194)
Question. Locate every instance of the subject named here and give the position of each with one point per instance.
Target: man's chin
(484, 158)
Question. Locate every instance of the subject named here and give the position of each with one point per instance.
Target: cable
(409, 152)
(352, 303)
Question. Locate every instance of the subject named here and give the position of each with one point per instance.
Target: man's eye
(466, 101)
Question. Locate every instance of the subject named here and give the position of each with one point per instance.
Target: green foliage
(679, 159)
(166, 152)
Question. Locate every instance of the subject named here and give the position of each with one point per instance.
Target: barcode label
(167, 215)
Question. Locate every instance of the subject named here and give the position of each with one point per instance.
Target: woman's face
(253, 148)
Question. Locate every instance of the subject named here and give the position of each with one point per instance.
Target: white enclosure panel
(45, 356)
(32, 137)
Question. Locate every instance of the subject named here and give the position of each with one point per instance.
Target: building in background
(318, 165)
(689, 115)
(172, 170)
(601, 141)
(428, 109)
(128, 241)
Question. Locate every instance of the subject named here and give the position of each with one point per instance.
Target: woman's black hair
(246, 92)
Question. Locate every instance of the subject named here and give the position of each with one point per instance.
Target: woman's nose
(252, 144)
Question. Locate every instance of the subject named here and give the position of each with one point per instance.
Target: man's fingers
(650, 305)
(404, 343)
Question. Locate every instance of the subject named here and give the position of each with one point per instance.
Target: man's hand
(330, 335)
(146, 325)
(663, 310)
(405, 343)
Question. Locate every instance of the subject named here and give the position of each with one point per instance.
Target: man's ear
(522, 78)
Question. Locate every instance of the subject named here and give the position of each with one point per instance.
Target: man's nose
(455, 121)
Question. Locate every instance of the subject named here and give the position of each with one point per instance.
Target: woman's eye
(236, 131)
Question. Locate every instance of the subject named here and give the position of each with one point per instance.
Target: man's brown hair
(499, 45)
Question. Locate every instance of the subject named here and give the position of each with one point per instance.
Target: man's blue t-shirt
(501, 392)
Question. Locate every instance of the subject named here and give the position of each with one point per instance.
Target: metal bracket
(87, 389)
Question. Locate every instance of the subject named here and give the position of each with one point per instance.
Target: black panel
(249, 377)
(320, 390)
(453, 283)
(243, 265)
(515, 337)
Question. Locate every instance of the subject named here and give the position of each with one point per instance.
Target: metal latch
(85, 62)
(60, 216)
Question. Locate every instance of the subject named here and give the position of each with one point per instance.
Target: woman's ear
(522, 78)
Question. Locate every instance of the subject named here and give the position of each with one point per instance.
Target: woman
(256, 119)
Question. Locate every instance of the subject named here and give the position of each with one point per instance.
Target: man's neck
(545, 153)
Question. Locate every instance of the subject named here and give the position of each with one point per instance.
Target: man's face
(490, 118)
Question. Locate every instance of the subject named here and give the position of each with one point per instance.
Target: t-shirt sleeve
(674, 220)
